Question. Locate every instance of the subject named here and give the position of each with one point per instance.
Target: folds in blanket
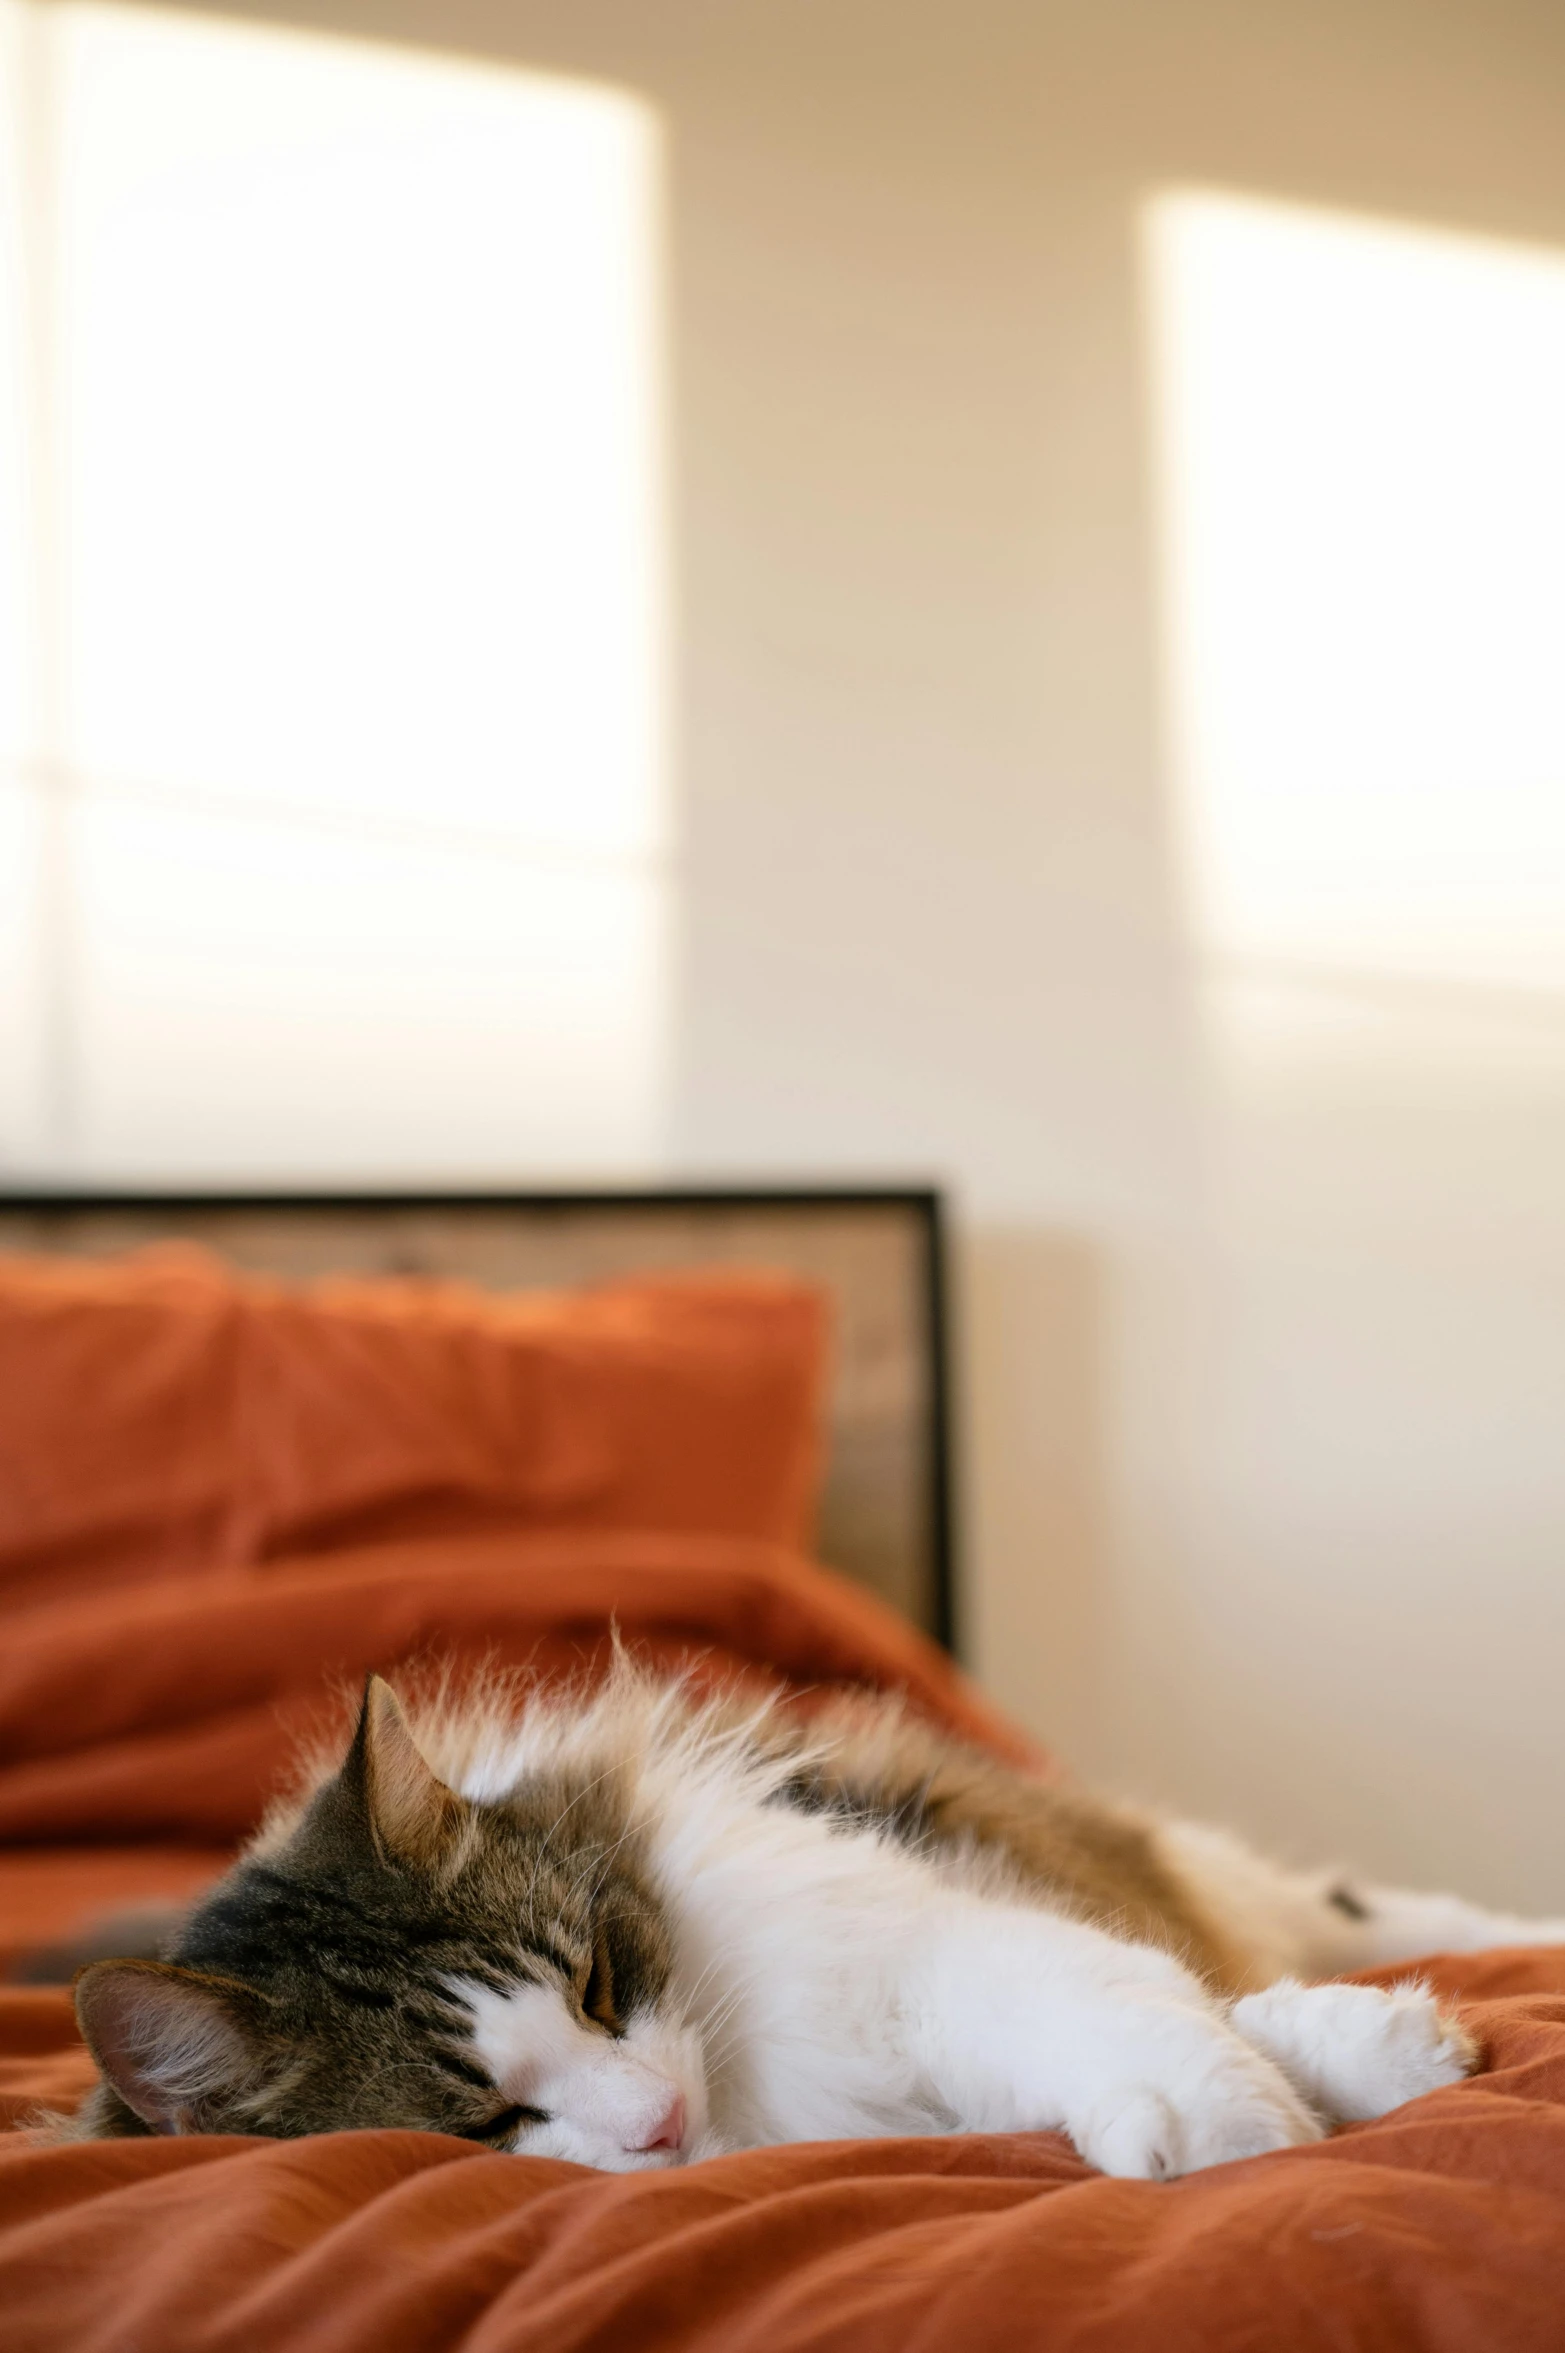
(1440, 2227)
(172, 1709)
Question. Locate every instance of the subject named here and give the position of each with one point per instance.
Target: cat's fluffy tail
(1314, 1924)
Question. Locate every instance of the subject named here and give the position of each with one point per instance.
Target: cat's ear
(170, 2041)
(412, 1816)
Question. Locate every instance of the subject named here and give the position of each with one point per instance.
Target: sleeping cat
(638, 1929)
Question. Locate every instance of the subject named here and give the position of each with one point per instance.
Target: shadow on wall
(1032, 1308)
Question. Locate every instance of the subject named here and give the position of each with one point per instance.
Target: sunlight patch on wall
(334, 613)
(1361, 456)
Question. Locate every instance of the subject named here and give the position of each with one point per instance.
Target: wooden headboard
(886, 1507)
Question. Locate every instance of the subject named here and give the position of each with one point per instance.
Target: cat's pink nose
(669, 2134)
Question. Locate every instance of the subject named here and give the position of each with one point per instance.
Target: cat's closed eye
(501, 2126)
(597, 1993)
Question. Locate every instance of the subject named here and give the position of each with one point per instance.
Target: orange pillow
(166, 1413)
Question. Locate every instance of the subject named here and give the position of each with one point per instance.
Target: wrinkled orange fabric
(165, 1413)
(1440, 2229)
(51, 1892)
(170, 1710)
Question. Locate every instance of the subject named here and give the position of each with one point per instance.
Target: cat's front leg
(1356, 2051)
(1024, 2021)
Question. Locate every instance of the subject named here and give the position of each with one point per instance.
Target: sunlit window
(1362, 461)
(332, 829)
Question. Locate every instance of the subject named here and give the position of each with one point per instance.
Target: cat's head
(404, 1956)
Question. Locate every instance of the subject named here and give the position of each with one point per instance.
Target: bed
(250, 1450)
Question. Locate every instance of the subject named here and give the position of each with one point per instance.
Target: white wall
(1262, 1338)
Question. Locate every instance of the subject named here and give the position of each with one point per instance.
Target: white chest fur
(793, 1938)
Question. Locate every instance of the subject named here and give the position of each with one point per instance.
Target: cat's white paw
(1148, 2132)
(1356, 2051)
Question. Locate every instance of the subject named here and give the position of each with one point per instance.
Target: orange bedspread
(1441, 2228)
(163, 1713)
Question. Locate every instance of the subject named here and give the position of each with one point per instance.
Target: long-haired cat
(636, 1929)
